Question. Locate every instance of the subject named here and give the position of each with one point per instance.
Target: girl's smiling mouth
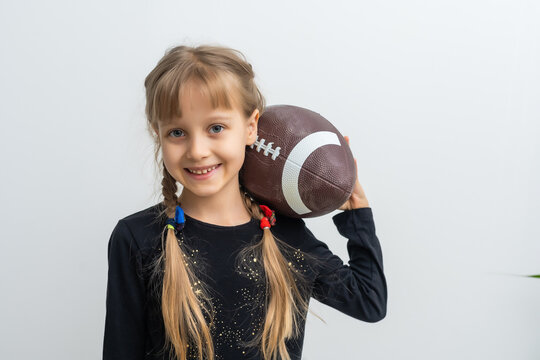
(202, 172)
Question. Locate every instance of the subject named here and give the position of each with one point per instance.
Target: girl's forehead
(195, 96)
(192, 96)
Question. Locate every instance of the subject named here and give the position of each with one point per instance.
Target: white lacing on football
(267, 148)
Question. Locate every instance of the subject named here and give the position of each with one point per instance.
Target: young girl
(211, 273)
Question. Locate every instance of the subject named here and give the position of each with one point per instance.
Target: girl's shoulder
(143, 227)
(292, 230)
(284, 222)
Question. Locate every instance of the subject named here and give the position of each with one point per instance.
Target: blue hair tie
(177, 223)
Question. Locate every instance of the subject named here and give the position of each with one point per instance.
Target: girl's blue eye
(213, 127)
(172, 131)
(181, 132)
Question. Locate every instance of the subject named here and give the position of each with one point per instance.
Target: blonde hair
(184, 308)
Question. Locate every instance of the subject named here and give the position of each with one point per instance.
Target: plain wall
(439, 98)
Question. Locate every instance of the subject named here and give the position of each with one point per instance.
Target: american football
(300, 165)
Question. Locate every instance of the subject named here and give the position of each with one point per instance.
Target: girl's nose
(198, 148)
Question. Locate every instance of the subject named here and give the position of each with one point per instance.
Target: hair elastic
(177, 223)
(269, 219)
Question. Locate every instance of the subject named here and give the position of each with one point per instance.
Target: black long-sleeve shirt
(134, 327)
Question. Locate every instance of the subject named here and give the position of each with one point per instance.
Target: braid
(183, 310)
(251, 205)
(169, 189)
(287, 290)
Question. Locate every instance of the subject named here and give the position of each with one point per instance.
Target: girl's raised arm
(359, 288)
(125, 305)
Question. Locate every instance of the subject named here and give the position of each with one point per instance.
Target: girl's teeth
(199, 172)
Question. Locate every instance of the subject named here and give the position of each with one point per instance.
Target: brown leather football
(300, 165)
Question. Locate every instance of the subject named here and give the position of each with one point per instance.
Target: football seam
(286, 160)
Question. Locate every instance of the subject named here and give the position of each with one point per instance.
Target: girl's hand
(358, 197)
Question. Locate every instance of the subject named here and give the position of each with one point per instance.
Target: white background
(439, 98)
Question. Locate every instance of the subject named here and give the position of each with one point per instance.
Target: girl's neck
(225, 209)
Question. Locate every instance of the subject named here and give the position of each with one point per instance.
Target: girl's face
(210, 142)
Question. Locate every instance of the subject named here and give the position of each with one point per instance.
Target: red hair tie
(269, 219)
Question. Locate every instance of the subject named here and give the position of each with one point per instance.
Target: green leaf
(534, 276)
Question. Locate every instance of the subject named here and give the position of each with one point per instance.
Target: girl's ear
(252, 127)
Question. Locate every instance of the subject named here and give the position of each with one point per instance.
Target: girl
(210, 273)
